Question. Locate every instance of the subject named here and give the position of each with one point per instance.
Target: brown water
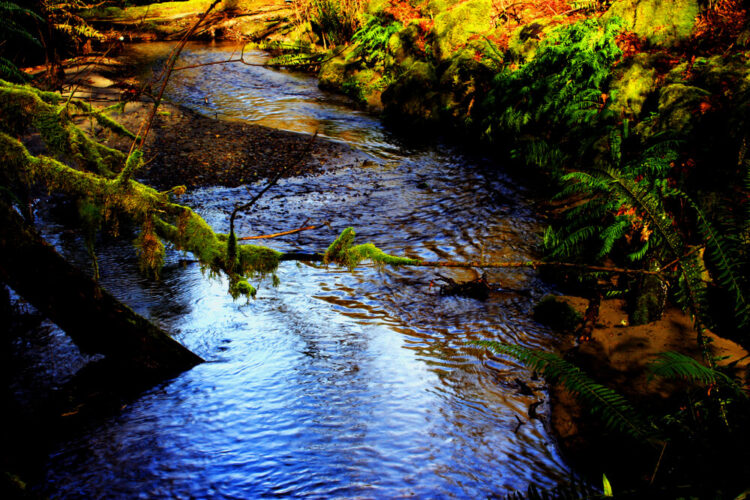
(335, 383)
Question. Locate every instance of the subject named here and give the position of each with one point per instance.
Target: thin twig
(241, 59)
(677, 260)
(74, 88)
(170, 65)
(318, 257)
(283, 233)
(658, 463)
(271, 183)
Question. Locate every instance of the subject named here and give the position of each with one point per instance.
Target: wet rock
(454, 27)
(413, 97)
(557, 313)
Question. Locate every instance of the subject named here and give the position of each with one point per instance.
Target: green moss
(454, 27)
(26, 108)
(462, 84)
(435, 7)
(717, 72)
(403, 45)
(241, 288)
(647, 301)
(354, 89)
(105, 121)
(414, 95)
(664, 23)
(375, 7)
(332, 74)
(631, 85)
(132, 163)
(520, 47)
(678, 104)
(343, 252)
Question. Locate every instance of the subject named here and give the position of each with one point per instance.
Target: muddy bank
(619, 356)
(186, 148)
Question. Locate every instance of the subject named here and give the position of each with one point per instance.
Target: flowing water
(334, 383)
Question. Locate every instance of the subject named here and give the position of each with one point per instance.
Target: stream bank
(673, 106)
(364, 377)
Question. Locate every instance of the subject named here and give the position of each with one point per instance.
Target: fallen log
(95, 320)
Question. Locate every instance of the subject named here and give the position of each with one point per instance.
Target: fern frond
(675, 365)
(567, 246)
(724, 259)
(612, 233)
(615, 411)
(9, 71)
(661, 222)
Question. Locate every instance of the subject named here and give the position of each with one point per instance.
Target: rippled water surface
(334, 383)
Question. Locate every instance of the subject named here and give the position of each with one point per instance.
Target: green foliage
(372, 39)
(557, 91)
(724, 252)
(11, 29)
(614, 410)
(640, 213)
(354, 89)
(335, 20)
(343, 252)
(679, 366)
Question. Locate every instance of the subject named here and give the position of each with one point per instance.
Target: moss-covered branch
(26, 109)
(343, 252)
(154, 211)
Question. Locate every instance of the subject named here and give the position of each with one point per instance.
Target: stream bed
(333, 383)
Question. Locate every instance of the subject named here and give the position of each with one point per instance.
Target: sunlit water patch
(335, 383)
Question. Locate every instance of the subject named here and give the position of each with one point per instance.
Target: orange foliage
(402, 11)
(719, 25)
(629, 43)
(405, 13)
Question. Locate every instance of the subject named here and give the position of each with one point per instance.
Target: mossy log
(94, 319)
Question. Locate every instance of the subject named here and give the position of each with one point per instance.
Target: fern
(723, 253)
(371, 40)
(674, 365)
(615, 411)
(651, 209)
(9, 28)
(10, 72)
(559, 88)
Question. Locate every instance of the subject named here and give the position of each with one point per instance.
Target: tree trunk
(94, 319)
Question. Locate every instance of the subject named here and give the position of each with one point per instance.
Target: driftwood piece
(95, 320)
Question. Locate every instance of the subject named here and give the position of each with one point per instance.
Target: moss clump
(25, 108)
(332, 74)
(241, 288)
(632, 84)
(343, 252)
(557, 314)
(454, 27)
(413, 95)
(678, 104)
(661, 22)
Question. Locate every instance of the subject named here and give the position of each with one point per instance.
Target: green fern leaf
(612, 408)
(672, 364)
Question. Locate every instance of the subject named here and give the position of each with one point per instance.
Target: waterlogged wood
(94, 319)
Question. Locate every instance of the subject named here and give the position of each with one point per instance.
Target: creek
(334, 383)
